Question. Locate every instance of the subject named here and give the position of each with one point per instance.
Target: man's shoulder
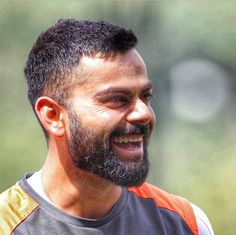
(15, 206)
(167, 201)
(9, 197)
(160, 196)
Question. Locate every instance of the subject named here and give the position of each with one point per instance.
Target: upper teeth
(126, 139)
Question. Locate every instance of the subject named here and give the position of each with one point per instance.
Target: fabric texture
(140, 210)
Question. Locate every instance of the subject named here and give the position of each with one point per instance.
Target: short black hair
(58, 50)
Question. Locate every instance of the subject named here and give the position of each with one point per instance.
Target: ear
(50, 115)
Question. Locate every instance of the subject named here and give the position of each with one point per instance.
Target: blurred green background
(189, 48)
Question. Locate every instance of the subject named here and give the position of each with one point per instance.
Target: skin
(116, 92)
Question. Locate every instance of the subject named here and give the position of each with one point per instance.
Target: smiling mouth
(128, 147)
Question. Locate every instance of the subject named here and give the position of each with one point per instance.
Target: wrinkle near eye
(101, 110)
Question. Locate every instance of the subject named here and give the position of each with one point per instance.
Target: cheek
(103, 122)
(109, 121)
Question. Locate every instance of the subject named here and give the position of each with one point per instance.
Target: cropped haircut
(58, 50)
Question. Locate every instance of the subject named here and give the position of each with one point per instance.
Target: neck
(77, 192)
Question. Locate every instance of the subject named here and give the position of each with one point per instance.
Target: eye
(117, 101)
(147, 97)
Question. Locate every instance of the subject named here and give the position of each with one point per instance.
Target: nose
(141, 113)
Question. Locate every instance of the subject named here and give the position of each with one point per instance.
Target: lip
(128, 151)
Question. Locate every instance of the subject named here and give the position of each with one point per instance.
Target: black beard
(89, 153)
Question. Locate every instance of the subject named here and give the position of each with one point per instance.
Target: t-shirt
(140, 210)
(204, 226)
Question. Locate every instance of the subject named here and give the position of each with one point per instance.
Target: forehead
(123, 68)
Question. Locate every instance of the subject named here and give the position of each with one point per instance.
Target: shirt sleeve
(203, 223)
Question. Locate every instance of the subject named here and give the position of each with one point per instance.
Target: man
(89, 89)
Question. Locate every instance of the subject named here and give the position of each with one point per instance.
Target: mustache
(135, 129)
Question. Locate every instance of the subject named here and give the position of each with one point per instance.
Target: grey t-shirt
(140, 210)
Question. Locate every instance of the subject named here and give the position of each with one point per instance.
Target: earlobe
(50, 115)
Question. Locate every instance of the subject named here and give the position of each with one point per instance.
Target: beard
(89, 153)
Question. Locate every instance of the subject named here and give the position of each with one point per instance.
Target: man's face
(111, 119)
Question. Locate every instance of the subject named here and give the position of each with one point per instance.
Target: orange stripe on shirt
(168, 201)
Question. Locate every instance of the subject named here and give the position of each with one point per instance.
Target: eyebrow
(121, 90)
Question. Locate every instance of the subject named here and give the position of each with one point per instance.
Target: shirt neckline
(67, 218)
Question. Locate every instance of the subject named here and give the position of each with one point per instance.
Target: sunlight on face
(112, 112)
